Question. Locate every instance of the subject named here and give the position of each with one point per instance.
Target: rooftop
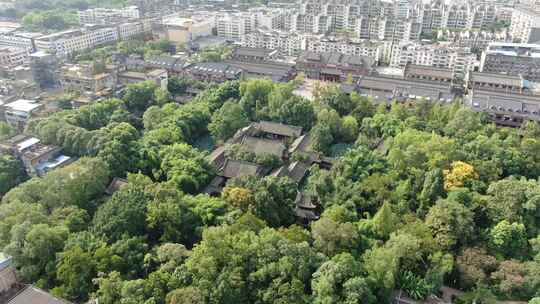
(278, 129)
(337, 59)
(33, 295)
(254, 52)
(263, 146)
(494, 78)
(430, 71)
(235, 169)
(24, 105)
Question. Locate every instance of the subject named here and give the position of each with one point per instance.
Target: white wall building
(525, 25)
(460, 60)
(107, 15)
(12, 56)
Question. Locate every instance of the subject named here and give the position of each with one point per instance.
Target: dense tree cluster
(424, 195)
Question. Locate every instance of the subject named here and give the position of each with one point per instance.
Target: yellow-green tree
(459, 173)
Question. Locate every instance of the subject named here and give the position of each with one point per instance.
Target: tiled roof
(428, 71)
(261, 146)
(33, 295)
(499, 79)
(235, 169)
(278, 129)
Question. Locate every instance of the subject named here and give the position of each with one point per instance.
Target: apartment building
(132, 30)
(478, 40)
(18, 39)
(286, 43)
(318, 44)
(512, 59)
(459, 60)
(65, 43)
(107, 15)
(235, 25)
(525, 24)
(12, 56)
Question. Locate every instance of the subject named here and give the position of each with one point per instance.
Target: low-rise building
(34, 295)
(18, 113)
(245, 54)
(37, 158)
(496, 82)
(85, 79)
(7, 273)
(428, 73)
(512, 59)
(507, 109)
(276, 71)
(159, 76)
(213, 71)
(387, 89)
(334, 66)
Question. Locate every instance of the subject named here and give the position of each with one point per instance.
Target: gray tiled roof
(499, 79)
(261, 146)
(234, 169)
(33, 295)
(518, 104)
(428, 71)
(337, 59)
(256, 52)
(270, 69)
(388, 88)
(278, 129)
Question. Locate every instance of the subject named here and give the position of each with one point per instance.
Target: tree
(339, 281)
(458, 175)
(75, 271)
(186, 295)
(171, 220)
(139, 96)
(270, 199)
(178, 86)
(516, 280)
(450, 222)
(162, 96)
(331, 238)
(11, 173)
(384, 221)
(474, 266)
(349, 129)
(432, 190)
(6, 131)
(109, 287)
(321, 138)
(125, 212)
(185, 167)
(227, 120)
(508, 239)
(34, 254)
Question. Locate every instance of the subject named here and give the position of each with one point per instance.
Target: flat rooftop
(24, 105)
